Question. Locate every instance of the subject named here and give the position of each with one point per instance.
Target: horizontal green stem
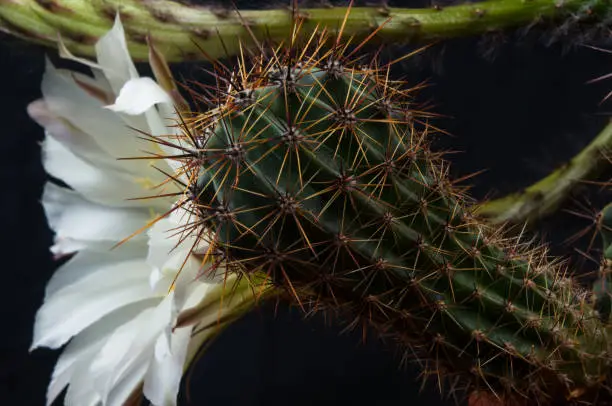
(181, 31)
(546, 195)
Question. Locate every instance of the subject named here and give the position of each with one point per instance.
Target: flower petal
(73, 308)
(129, 351)
(172, 243)
(64, 98)
(80, 391)
(166, 255)
(84, 223)
(88, 262)
(163, 378)
(114, 58)
(139, 95)
(80, 143)
(122, 332)
(123, 389)
(86, 344)
(99, 185)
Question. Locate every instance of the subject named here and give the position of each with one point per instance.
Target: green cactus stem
(182, 31)
(315, 170)
(602, 288)
(545, 196)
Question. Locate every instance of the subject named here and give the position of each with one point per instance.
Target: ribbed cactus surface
(315, 169)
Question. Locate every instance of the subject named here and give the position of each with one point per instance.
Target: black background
(516, 105)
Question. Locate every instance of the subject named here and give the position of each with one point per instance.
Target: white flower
(116, 308)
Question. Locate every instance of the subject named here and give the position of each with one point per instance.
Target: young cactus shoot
(314, 168)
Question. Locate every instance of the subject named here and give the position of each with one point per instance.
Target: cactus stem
(545, 196)
(181, 31)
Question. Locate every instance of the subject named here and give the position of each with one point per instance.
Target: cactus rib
(315, 170)
(182, 30)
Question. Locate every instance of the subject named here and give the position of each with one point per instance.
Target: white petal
(65, 246)
(77, 220)
(171, 244)
(64, 98)
(164, 256)
(194, 293)
(131, 347)
(123, 389)
(87, 343)
(80, 143)
(162, 381)
(118, 67)
(165, 123)
(139, 95)
(106, 363)
(193, 278)
(114, 58)
(80, 391)
(176, 232)
(89, 262)
(75, 307)
(96, 184)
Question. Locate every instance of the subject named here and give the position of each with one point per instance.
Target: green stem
(181, 30)
(546, 195)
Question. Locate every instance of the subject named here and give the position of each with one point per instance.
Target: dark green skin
(602, 288)
(372, 226)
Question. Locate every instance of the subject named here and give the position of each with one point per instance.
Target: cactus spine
(314, 168)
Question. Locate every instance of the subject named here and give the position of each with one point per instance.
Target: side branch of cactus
(181, 31)
(545, 196)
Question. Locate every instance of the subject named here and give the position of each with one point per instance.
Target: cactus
(183, 30)
(314, 168)
(545, 196)
(602, 288)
